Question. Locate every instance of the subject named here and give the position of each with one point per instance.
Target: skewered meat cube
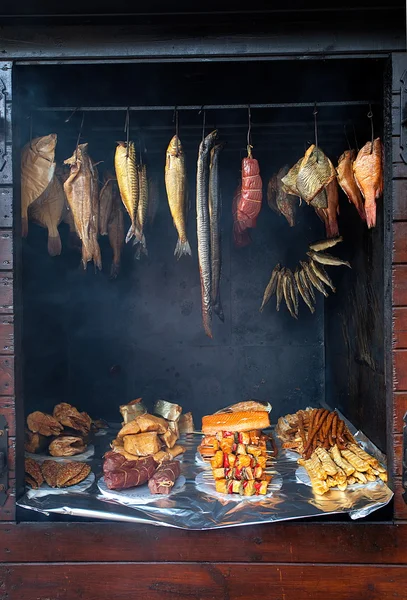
(248, 473)
(243, 460)
(218, 473)
(254, 436)
(226, 445)
(258, 472)
(244, 437)
(232, 459)
(248, 488)
(221, 486)
(262, 488)
(217, 460)
(261, 461)
(237, 487)
(241, 449)
(254, 450)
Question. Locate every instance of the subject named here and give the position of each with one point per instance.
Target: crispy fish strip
(314, 279)
(287, 294)
(366, 457)
(328, 259)
(303, 291)
(322, 274)
(279, 291)
(293, 290)
(341, 462)
(355, 460)
(328, 464)
(324, 244)
(271, 287)
(307, 284)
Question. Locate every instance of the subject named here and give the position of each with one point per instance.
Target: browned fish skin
(287, 293)
(175, 183)
(329, 214)
(303, 290)
(307, 285)
(81, 189)
(116, 234)
(127, 179)
(271, 287)
(347, 181)
(47, 211)
(314, 279)
(324, 244)
(272, 194)
(293, 290)
(37, 171)
(105, 202)
(315, 173)
(286, 203)
(279, 290)
(368, 170)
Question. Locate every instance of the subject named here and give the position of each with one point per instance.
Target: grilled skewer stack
(307, 276)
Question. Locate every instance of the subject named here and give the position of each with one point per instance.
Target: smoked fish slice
(325, 244)
(271, 287)
(47, 212)
(368, 171)
(316, 171)
(293, 290)
(105, 203)
(203, 228)
(37, 170)
(347, 181)
(128, 182)
(175, 183)
(81, 189)
(286, 203)
(215, 211)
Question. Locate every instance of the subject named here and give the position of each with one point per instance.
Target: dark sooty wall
(99, 343)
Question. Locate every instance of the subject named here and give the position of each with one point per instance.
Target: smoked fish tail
(370, 211)
(182, 248)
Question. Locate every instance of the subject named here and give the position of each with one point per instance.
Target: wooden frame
(272, 560)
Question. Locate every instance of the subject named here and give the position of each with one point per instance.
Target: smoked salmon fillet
(237, 421)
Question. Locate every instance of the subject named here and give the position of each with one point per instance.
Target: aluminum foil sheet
(191, 508)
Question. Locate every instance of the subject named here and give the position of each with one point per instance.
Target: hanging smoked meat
(241, 236)
(37, 171)
(249, 206)
(368, 170)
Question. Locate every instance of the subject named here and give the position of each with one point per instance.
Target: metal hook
(71, 115)
(346, 136)
(315, 112)
(249, 132)
(79, 136)
(203, 121)
(370, 116)
(127, 130)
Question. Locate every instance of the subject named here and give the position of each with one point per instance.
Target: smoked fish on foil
(47, 212)
(203, 228)
(128, 181)
(368, 170)
(37, 170)
(175, 184)
(81, 189)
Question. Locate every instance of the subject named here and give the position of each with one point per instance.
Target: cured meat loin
(121, 473)
(241, 236)
(164, 478)
(249, 205)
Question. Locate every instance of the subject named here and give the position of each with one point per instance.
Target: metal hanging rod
(199, 107)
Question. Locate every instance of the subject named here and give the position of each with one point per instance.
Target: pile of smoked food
(330, 454)
(146, 447)
(237, 448)
(64, 433)
(55, 474)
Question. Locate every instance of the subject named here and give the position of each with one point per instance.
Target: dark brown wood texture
(399, 195)
(204, 581)
(7, 400)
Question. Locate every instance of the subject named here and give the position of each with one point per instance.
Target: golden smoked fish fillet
(37, 171)
(175, 184)
(81, 189)
(347, 181)
(128, 182)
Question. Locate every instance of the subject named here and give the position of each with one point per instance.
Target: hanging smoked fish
(37, 170)
(128, 181)
(47, 212)
(315, 173)
(175, 183)
(329, 215)
(115, 228)
(215, 208)
(347, 181)
(105, 202)
(368, 170)
(81, 189)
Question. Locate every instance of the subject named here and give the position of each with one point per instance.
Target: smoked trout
(47, 212)
(324, 244)
(127, 179)
(105, 202)
(347, 181)
(279, 288)
(175, 184)
(203, 228)
(272, 194)
(115, 229)
(322, 274)
(37, 170)
(271, 287)
(215, 210)
(81, 189)
(368, 171)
